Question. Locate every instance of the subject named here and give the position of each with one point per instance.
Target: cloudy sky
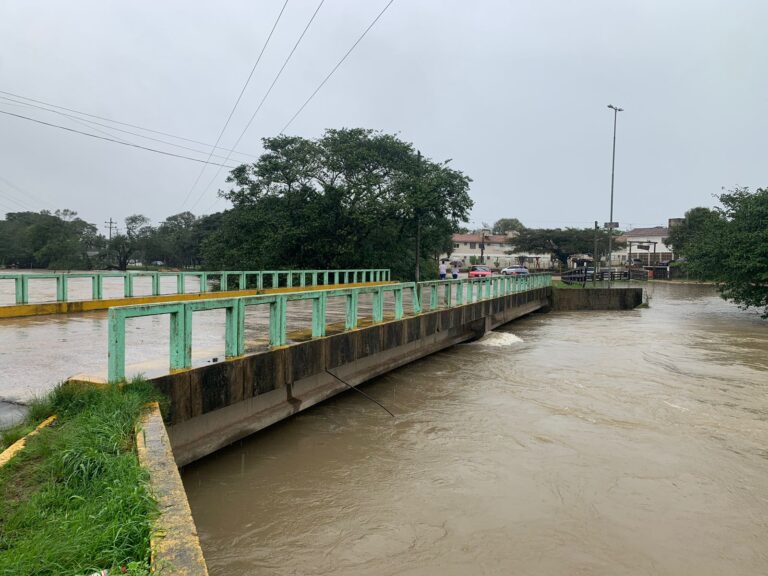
(514, 92)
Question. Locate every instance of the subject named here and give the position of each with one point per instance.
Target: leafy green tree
(47, 240)
(561, 242)
(733, 248)
(695, 224)
(352, 198)
(504, 225)
(125, 247)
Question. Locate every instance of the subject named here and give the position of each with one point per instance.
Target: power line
(269, 90)
(121, 123)
(111, 139)
(24, 192)
(336, 67)
(90, 123)
(231, 112)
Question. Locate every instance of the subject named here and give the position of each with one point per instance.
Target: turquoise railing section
(452, 293)
(228, 280)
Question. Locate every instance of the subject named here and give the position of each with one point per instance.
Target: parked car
(478, 271)
(515, 271)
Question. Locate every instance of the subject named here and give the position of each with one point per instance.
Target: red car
(479, 271)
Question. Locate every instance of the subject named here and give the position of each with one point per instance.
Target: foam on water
(498, 339)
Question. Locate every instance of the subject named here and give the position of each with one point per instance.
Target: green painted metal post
(302, 279)
(128, 285)
(24, 289)
(155, 283)
(116, 346)
(179, 342)
(277, 321)
(416, 299)
(97, 285)
(378, 305)
(203, 282)
(433, 297)
(19, 285)
(232, 330)
(460, 293)
(447, 295)
(185, 342)
(180, 276)
(351, 320)
(243, 282)
(275, 280)
(398, 294)
(61, 288)
(314, 278)
(223, 281)
(319, 306)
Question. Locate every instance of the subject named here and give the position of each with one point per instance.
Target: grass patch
(76, 500)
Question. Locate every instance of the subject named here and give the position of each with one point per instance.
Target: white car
(515, 271)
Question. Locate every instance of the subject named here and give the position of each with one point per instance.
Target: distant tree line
(353, 198)
(729, 245)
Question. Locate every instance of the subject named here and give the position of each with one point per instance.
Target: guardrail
(465, 290)
(258, 279)
(586, 275)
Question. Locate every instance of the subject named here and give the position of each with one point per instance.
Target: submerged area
(589, 442)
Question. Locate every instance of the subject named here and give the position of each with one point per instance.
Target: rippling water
(567, 443)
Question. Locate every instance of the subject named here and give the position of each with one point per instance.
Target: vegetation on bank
(75, 500)
(353, 198)
(729, 245)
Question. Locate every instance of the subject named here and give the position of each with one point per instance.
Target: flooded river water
(565, 443)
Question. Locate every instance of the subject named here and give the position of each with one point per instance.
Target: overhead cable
(231, 112)
(91, 123)
(111, 139)
(269, 90)
(336, 67)
(120, 123)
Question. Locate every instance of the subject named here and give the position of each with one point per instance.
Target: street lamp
(616, 111)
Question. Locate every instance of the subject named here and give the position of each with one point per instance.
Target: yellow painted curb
(46, 308)
(18, 446)
(174, 542)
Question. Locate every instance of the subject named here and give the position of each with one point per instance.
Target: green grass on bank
(75, 500)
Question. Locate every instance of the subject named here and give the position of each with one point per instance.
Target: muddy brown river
(565, 443)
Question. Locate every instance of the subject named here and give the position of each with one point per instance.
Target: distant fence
(587, 275)
(439, 294)
(227, 280)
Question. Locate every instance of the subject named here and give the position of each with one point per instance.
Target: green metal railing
(228, 280)
(454, 293)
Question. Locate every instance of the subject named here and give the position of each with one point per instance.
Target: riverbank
(76, 500)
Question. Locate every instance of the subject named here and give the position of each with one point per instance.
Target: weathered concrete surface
(596, 298)
(175, 544)
(213, 406)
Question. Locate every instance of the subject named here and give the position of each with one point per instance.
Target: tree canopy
(730, 245)
(504, 225)
(47, 240)
(351, 198)
(562, 242)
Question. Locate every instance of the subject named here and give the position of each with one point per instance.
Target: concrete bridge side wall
(213, 406)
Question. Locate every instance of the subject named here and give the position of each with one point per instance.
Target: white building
(467, 248)
(646, 245)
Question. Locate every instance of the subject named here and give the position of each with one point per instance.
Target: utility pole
(418, 216)
(594, 257)
(111, 224)
(616, 111)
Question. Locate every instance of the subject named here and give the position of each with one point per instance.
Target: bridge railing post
(61, 288)
(319, 305)
(350, 322)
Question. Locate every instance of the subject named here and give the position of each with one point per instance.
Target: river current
(564, 443)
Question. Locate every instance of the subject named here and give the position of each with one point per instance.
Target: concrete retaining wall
(596, 298)
(213, 406)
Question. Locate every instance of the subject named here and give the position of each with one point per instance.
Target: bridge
(288, 340)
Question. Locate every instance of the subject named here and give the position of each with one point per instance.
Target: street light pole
(616, 111)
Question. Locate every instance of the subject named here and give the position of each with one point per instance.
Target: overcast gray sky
(514, 92)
